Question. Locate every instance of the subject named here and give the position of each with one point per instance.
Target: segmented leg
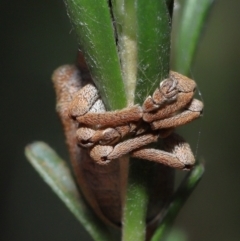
(168, 91)
(112, 118)
(182, 101)
(192, 112)
(85, 108)
(178, 153)
(104, 154)
(88, 137)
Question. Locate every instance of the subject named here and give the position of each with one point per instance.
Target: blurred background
(36, 38)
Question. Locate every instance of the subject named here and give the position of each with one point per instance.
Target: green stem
(144, 44)
(137, 196)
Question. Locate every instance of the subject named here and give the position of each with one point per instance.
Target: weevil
(100, 142)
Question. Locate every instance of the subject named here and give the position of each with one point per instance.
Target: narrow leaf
(153, 51)
(183, 192)
(92, 22)
(56, 174)
(189, 28)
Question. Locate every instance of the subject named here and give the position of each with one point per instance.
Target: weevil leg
(192, 112)
(111, 118)
(167, 110)
(104, 154)
(168, 91)
(177, 153)
(88, 137)
(84, 100)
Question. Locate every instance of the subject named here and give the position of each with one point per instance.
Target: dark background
(36, 37)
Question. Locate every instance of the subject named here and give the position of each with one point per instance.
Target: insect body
(108, 137)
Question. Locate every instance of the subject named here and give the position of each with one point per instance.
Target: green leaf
(153, 51)
(92, 22)
(56, 174)
(189, 29)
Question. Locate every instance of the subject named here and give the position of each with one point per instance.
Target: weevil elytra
(100, 141)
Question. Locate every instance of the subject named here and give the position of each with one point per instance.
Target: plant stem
(144, 43)
(134, 224)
